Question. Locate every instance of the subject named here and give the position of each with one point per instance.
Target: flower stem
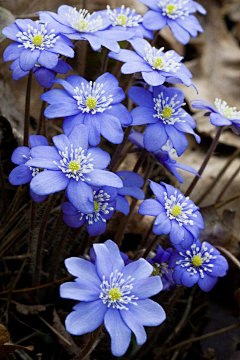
(41, 123)
(105, 61)
(92, 343)
(27, 109)
(119, 149)
(38, 266)
(222, 192)
(219, 176)
(205, 162)
(58, 253)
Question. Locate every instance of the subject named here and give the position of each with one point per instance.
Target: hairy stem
(205, 162)
(27, 109)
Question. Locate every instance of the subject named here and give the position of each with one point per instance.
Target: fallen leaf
(4, 334)
(30, 309)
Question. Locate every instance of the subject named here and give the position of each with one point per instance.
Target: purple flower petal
(20, 175)
(81, 196)
(153, 20)
(28, 59)
(150, 207)
(49, 182)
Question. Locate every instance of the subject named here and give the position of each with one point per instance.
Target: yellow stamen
(96, 206)
(74, 165)
(171, 9)
(155, 270)
(122, 19)
(167, 112)
(91, 102)
(176, 210)
(115, 294)
(197, 260)
(158, 62)
(37, 39)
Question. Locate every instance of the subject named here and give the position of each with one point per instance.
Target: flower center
(174, 8)
(122, 19)
(197, 260)
(171, 8)
(176, 210)
(82, 21)
(115, 294)
(116, 291)
(161, 61)
(227, 111)
(168, 109)
(167, 112)
(126, 18)
(91, 98)
(37, 37)
(96, 206)
(158, 63)
(101, 207)
(75, 164)
(155, 270)
(91, 102)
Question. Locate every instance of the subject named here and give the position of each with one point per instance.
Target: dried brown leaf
(4, 334)
(9, 348)
(30, 309)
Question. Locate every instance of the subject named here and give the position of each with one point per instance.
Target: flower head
(104, 200)
(175, 214)
(155, 65)
(126, 19)
(81, 25)
(162, 110)
(35, 43)
(71, 165)
(96, 105)
(177, 14)
(45, 77)
(201, 264)
(23, 173)
(112, 293)
(166, 156)
(160, 264)
(221, 115)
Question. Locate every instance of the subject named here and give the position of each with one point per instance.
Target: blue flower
(162, 110)
(96, 222)
(23, 173)
(45, 77)
(71, 165)
(166, 156)
(132, 182)
(35, 42)
(96, 105)
(221, 115)
(112, 293)
(177, 14)
(199, 8)
(128, 20)
(201, 264)
(81, 25)
(155, 65)
(175, 214)
(160, 264)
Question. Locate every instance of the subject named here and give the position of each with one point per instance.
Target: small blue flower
(35, 42)
(177, 14)
(126, 19)
(45, 77)
(96, 222)
(175, 214)
(221, 115)
(201, 264)
(71, 165)
(23, 173)
(132, 182)
(162, 110)
(166, 156)
(112, 293)
(160, 264)
(155, 65)
(81, 25)
(96, 105)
